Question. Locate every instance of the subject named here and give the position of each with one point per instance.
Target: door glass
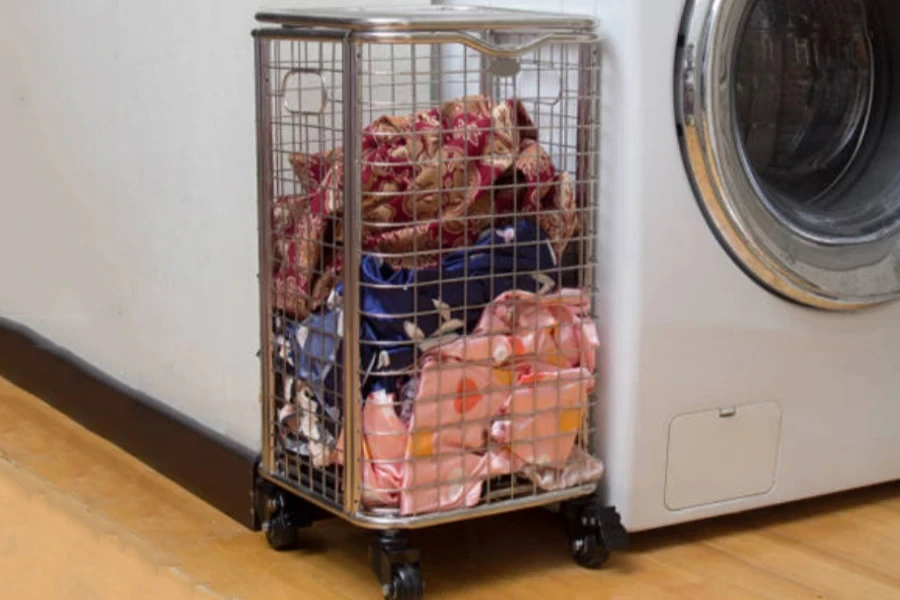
(804, 88)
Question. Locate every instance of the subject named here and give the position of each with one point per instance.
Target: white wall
(127, 187)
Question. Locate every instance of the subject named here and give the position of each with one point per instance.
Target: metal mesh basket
(427, 211)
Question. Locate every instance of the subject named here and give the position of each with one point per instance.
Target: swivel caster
(396, 564)
(280, 532)
(406, 584)
(589, 551)
(282, 522)
(594, 531)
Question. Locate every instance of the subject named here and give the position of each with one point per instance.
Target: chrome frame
(265, 191)
(481, 46)
(351, 38)
(437, 17)
(812, 270)
(430, 520)
(352, 232)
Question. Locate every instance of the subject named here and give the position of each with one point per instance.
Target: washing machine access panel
(789, 119)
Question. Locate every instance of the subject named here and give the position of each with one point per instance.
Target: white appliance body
(722, 395)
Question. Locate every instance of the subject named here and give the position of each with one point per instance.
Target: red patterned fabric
(430, 182)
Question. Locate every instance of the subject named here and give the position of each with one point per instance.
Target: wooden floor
(80, 519)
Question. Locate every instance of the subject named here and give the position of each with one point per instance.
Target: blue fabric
(310, 352)
(458, 290)
(317, 352)
(451, 296)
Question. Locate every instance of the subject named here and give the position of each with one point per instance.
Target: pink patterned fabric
(431, 182)
(511, 397)
(384, 451)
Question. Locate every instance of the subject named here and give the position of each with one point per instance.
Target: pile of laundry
(478, 363)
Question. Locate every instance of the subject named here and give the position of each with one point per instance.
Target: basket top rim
(419, 18)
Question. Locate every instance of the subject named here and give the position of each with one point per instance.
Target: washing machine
(751, 237)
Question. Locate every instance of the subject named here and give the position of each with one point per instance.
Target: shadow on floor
(468, 555)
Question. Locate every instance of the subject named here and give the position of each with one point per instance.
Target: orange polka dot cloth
(511, 397)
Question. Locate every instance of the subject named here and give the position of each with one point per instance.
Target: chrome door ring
(813, 270)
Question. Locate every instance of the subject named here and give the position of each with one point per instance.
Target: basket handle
(476, 43)
(301, 72)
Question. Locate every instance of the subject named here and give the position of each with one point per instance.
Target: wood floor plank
(867, 536)
(798, 562)
(839, 547)
(701, 566)
(52, 547)
(81, 464)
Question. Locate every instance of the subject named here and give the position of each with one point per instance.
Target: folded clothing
(430, 182)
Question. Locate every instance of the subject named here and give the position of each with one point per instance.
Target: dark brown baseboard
(205, 463)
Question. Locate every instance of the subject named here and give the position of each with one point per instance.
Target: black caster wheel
(589, 552)
(396, 564)
(406, 584)
(282, 521)
(281, 533)
(281, 514)
(594, 531)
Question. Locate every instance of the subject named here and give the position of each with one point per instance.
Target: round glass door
(790, 128)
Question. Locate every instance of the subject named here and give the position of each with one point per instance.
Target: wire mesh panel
(301, 106)
(428, 209)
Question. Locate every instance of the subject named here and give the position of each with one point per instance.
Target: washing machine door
(789, 120)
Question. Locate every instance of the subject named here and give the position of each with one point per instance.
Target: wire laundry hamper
(428, 230)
